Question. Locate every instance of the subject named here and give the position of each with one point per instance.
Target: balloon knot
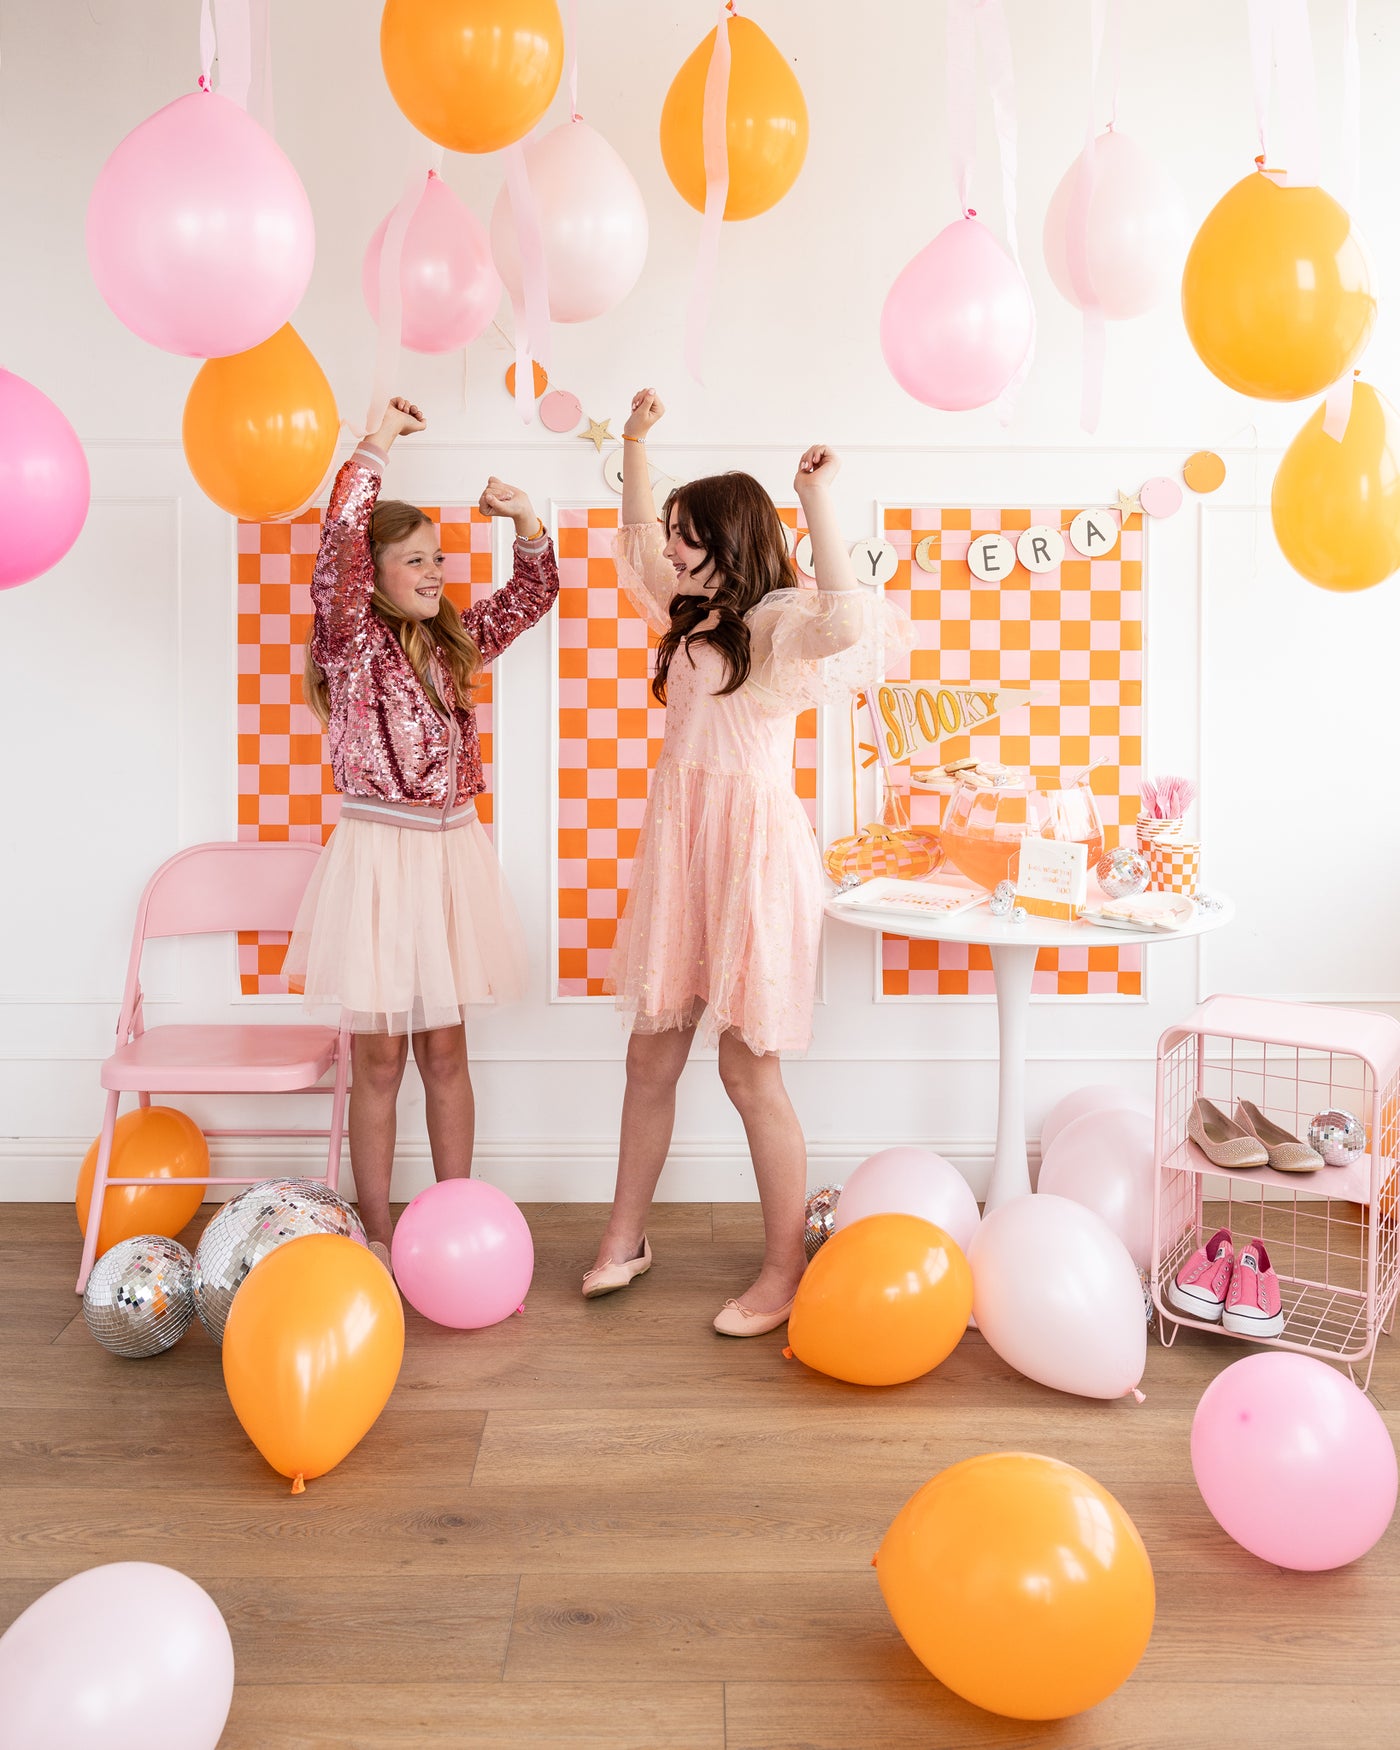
(520, 1309)
(969, 212)
(787, 1354)
(875, 1559)
(204, 84)
(1141, 1397)
(298, 1484)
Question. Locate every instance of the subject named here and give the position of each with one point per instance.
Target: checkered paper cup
(1173, 866)
(1151, 830)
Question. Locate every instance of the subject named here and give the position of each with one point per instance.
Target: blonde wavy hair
(394, 521)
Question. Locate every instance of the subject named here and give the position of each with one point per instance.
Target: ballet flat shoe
(734, 1320)
(1222, 1143)
(1286, 1153)
(608, 1278)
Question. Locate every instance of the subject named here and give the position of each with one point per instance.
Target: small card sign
(1052, 877)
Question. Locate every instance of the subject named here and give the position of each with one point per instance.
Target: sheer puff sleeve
(817, 647)
(648, 579)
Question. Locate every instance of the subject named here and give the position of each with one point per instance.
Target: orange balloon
(883, 1301)
(473, 75)
(156, 1143)
(1277, 290)
(260, 427)
(1021, 1583)
(312, 1348)
(1336, 506)
(765, 124)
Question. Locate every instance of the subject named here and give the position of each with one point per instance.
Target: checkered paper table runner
(1074, 634)
(609, 736)
(285, 789)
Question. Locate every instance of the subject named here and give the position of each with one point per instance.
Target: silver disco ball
(1122, 872)
(139, 1299)
(1337, 1137)
(819, 1222)
(253, 1224)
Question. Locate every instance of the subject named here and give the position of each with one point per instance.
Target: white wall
(116, 671)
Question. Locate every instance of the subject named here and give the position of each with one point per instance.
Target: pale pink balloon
(1294, 1461)
(593, 224)
(107, 1656)
(199, 232)
(1058, 1298)
(1104, 1162)
(1098, 1097)
(958, 322)
(463, 1255)
(44, 486)
(910, 1181)
(449, 282)
(1136, 235)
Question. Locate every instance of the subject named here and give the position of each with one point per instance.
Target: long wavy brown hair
(395, 521)
(736, 524)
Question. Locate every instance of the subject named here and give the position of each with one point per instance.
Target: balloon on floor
(1021, 1584)
(463, 1254)
(1104, 1162)
(911, 1181)
(1097, 1097)
(157, 1143)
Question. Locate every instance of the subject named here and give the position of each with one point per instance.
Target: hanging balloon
(765, 124)
(593, 224)
(199, 232)
(1135, 230)
(260, 428)
(1336, 506)
(1277, 290)
(473, 75)
(448, 280)
(44, 486)
(958, 322)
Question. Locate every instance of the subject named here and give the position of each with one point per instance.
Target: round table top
(980, 927)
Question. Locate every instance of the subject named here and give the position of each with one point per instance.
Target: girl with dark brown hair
(723, 918)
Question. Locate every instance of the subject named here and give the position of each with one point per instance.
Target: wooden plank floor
(602, 1527)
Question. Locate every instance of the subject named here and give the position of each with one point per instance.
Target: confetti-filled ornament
(1337, 1137)
(1122, 872)
(819, 1222)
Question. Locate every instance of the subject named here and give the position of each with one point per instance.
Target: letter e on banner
(991, 558)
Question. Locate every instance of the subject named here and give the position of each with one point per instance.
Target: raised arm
(831, 558)
(343, 580)
(507, 612)
(638, 504)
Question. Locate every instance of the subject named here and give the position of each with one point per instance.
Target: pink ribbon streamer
(260, 92)
(1279, 37)
(1337, 412)
(961, 60)
(207, 45)
(994, 40)
(715, 146)
(573, 60)
(531, 310)
(1077, 245)
(389, 345)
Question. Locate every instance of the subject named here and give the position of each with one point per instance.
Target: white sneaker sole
(1254, 1324)
(1198, 1305)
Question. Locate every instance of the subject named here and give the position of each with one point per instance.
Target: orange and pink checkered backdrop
(610, 732)
(284, 781)
(1073, 634)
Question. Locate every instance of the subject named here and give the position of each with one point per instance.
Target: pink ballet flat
(735, 1320)
(608, 1278)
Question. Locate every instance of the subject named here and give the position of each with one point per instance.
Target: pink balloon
(104, 1656)
(199, 233)
(910, 1181)
(958, 322)
(1058, 1298)
(44, 487)
(463, 1254)
(449, 282)
(1293, 1461)
(593, 223)
(1136, 236)
(1099, 1097)
(1104, 1162)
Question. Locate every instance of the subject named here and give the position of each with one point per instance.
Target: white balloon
(1137, 230)
(1097, 1097)
(1104, 1161)
(911, 1181)
(1058, 1298)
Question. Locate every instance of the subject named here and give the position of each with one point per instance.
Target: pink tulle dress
(723, 917)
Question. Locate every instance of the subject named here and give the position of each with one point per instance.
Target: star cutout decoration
(598, 434)
(1129, 504)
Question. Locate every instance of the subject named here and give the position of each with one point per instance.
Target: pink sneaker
(1201, 1284)
(1254, 1306)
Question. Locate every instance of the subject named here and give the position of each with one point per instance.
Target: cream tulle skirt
(400, 929)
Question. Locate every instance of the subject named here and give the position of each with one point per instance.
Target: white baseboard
(698, 1170)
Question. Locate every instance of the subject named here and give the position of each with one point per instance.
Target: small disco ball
(253, 1224)
(1002, 900)
(819, 1223)
(1337, 1137)
(139, 1298)
(1148, 1308)
(1122, 872)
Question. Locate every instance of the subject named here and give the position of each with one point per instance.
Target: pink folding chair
(201, 891)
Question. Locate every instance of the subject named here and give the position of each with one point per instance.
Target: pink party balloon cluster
(463, 1255)
(910, 1181)
(447, 279)
(199, 232)
(1103, 1161)
(44, 486)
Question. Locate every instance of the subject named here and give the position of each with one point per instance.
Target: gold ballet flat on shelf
(1222, 1143)
(608, 1278)
(1286, 1153)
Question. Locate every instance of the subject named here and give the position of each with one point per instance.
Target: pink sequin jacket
(386, 739)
